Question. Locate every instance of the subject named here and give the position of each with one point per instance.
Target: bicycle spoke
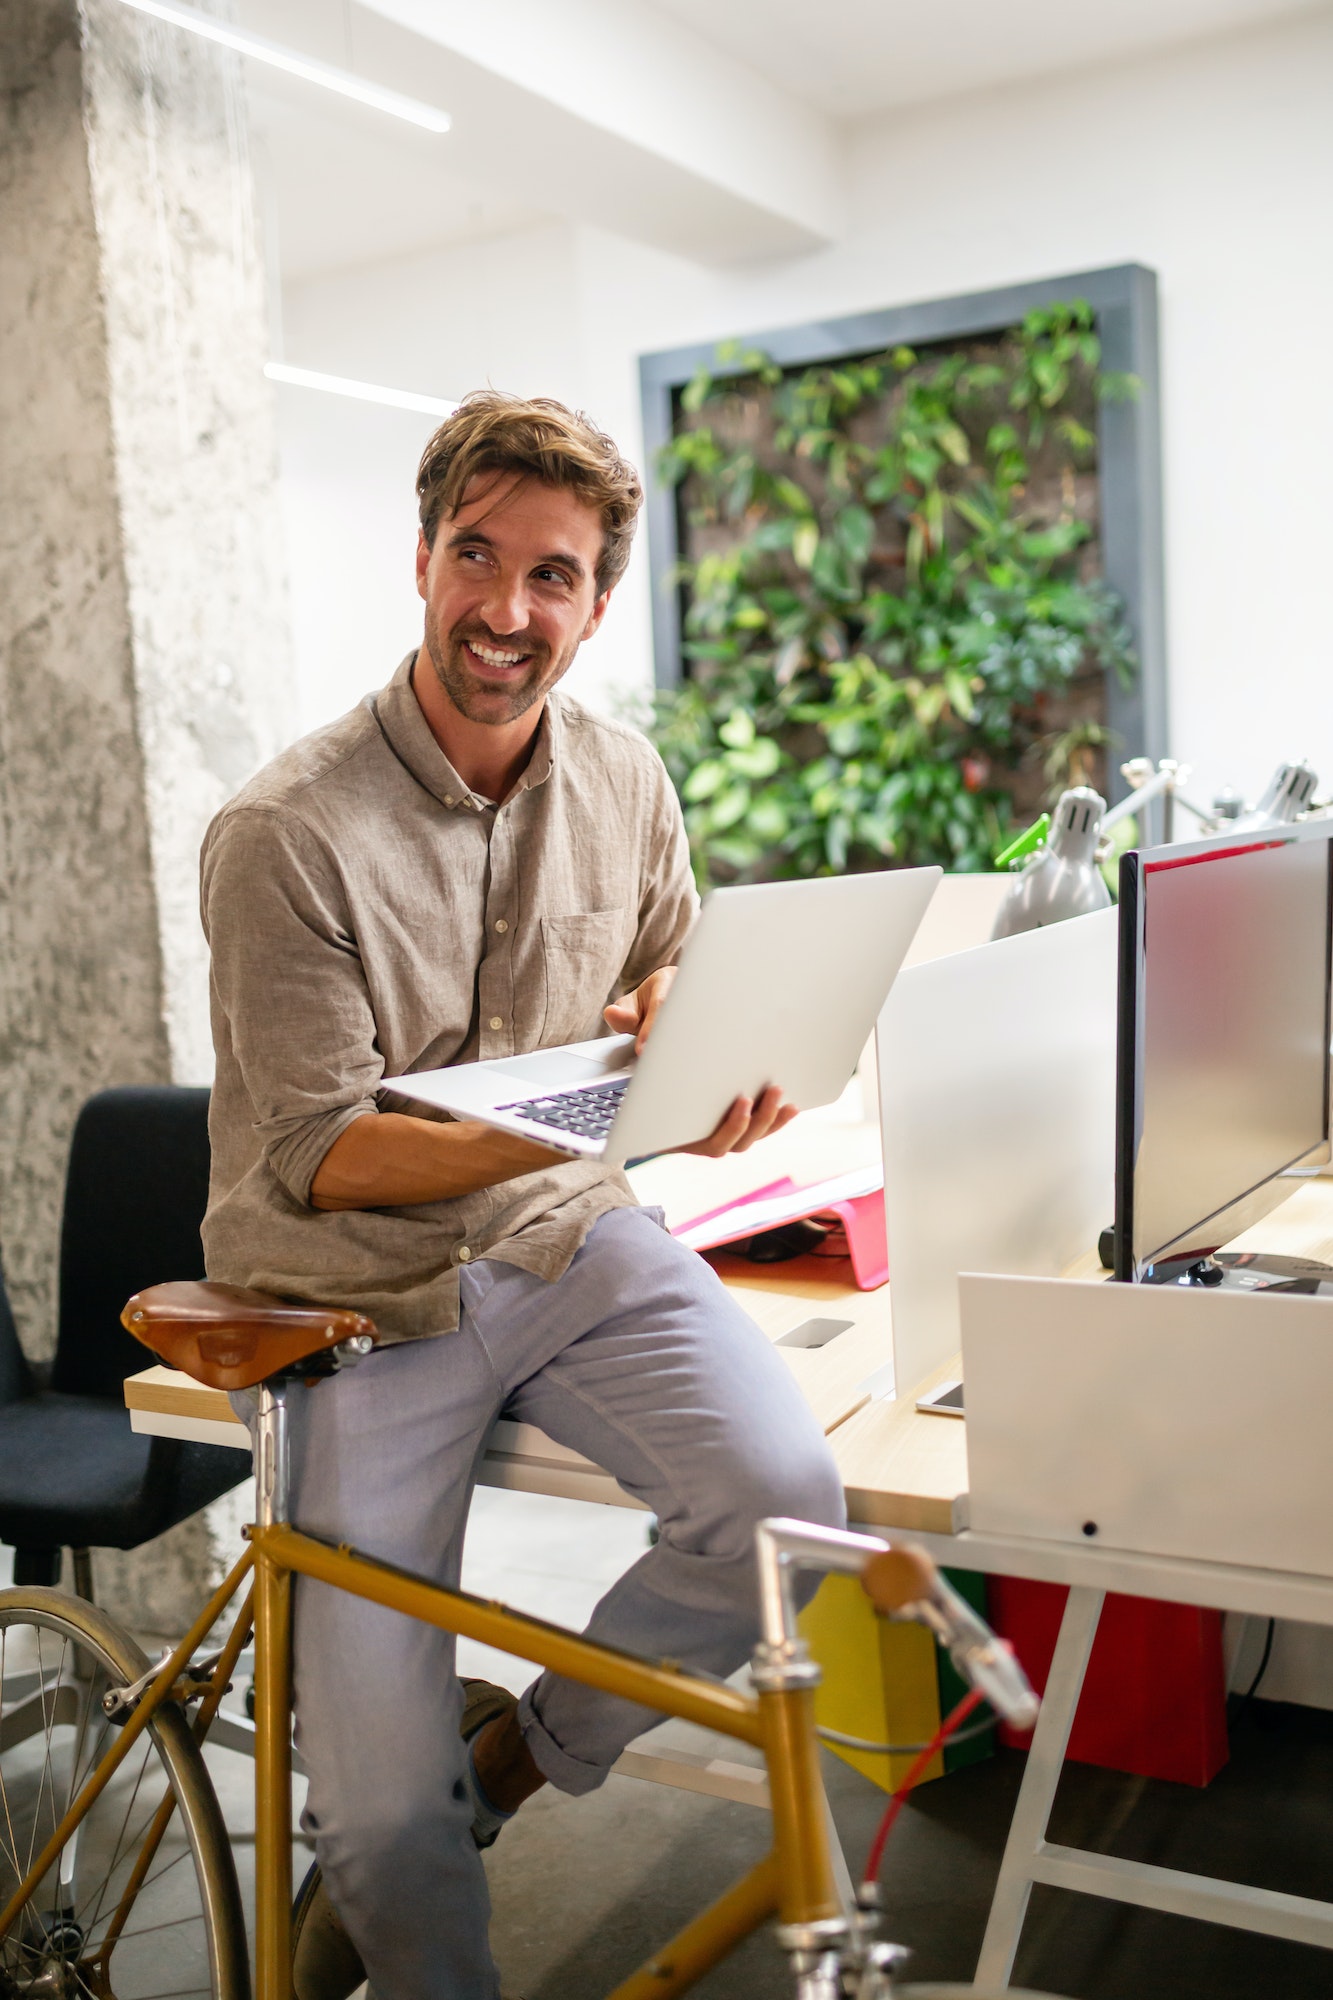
(13, 1851)
(148, 1882)
(47, 1715)
(144, 1760)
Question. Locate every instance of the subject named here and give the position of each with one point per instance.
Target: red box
(1154, 1696)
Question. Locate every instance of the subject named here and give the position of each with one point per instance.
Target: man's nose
(505, 606)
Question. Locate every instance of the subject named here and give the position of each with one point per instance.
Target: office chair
(73, 1475)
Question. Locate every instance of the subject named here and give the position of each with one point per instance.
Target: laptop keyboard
(588, 1113)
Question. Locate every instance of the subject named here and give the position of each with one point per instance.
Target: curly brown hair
(536, 438)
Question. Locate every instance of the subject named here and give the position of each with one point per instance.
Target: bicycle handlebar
(902, 1582)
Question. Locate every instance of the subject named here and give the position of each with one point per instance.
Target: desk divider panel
(997, 1101)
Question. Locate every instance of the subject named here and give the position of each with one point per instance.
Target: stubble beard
(480, 701)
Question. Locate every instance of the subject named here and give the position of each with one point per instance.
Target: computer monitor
(1222, 1070)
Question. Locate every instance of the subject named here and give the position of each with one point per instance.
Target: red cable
(946, 1729)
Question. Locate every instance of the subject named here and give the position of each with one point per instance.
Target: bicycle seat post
(273, 1705)
(271, 1455)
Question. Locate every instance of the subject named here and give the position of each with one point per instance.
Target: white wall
(1213, 164)
(350, 513)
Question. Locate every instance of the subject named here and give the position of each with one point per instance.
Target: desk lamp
(1062, 878)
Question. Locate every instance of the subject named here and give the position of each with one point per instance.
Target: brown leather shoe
(326, 1965)
(483, 1701)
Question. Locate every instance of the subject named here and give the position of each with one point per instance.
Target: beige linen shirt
(368, 915)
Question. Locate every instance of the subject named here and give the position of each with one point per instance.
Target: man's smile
(495, 659)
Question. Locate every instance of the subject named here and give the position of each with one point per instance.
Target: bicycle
(97, 1901)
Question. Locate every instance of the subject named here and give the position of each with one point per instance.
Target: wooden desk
(837, 1377)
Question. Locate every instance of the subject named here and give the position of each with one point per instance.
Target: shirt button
(501, 925)
(497, 1021)
(448, 798)
(464, 1254)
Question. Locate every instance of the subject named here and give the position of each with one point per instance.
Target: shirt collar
(408, 734)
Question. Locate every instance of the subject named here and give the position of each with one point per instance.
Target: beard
(487, 701)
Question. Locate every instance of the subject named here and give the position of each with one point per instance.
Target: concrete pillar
(144, 651)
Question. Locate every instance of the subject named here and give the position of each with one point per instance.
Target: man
(469, 865)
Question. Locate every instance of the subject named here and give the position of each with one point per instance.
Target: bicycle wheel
(116, 1917)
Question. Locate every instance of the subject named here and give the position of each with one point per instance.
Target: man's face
(510, 594)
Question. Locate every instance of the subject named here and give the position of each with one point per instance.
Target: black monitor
(1222, 1078)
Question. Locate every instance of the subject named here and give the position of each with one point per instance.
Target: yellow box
(880, 1679)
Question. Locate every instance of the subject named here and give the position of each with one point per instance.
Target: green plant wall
(896, 630)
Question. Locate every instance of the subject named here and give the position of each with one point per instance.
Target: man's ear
(423, 562)
(596, 615)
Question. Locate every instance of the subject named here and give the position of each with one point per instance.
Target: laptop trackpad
(549, 1068)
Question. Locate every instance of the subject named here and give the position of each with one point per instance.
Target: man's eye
(553, 576)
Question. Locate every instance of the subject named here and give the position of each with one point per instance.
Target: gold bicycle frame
(794, 1881)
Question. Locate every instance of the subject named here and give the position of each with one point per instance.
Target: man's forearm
(388, 1160)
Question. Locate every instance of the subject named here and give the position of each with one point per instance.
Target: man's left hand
(747, 1121)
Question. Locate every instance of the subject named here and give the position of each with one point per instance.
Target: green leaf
(856, 531)
(737, 732)
(768, 819)
(729, 806)
(704, 780)
(759, 760)
(953, 442)
(697, 391)
(805, 543)
(793, 497)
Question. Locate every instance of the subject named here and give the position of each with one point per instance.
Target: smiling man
(471, 865)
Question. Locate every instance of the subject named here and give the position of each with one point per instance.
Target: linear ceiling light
(364, 392)
(296, 64)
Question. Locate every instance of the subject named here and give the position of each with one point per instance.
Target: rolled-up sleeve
(289, 992)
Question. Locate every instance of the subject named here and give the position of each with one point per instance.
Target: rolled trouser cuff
(568, 1774)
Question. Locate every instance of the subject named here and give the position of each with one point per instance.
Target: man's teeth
(494, 657)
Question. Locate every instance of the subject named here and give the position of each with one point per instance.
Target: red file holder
(1154, 1696)
(862, 1217)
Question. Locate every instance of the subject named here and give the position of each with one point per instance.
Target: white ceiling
(344, 186)
(852, 57)
(712, 128)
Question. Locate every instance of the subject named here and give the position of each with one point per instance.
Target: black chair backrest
(135, 1196)
(15, 1377)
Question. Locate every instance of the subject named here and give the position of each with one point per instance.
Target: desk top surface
(901, 1468)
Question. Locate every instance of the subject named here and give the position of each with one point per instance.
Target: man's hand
(747, 1120)
(635, 1013)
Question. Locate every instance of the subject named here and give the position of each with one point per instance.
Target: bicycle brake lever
(985, 1661)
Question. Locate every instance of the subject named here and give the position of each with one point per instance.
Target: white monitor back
(997, 1102)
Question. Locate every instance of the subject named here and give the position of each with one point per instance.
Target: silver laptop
(778, 983)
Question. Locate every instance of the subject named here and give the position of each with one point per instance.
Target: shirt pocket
(583, 955)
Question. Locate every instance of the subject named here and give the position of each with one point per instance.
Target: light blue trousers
(637, 1358)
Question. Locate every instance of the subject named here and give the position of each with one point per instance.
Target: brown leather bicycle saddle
(232, 1338)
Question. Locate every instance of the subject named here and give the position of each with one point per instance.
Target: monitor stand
(1246, 1271)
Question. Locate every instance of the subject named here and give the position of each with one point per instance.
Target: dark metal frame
(1124, 298)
